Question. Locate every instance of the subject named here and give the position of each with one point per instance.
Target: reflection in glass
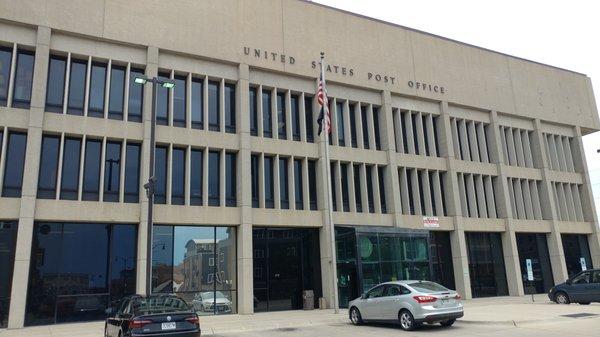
(23, 79)
(70, 169)
(162, 101)
(77, 87)
(48, 167)
(112, 171)
(179, 99)
(14, 164)
(55, 87)
(197, 103)
(136, 95)
(577, 249)
(97, 86)
(214, 104)
(91, 170)
(117, 92)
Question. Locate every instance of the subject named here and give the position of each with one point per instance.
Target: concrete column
(151, 71)
(18, 296)
(388, 144)
(460, 260)
(245, 285)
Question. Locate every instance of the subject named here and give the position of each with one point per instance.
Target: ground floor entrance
(486, 264)
(535, 262)
(577, 253)
(286, 262)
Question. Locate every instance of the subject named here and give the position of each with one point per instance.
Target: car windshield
(158, 304)
(427, 287)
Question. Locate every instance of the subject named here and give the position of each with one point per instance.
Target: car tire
(448, 322)
(355, 316)
(562, 298)
(407, 321)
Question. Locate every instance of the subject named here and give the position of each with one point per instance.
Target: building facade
(448, 161)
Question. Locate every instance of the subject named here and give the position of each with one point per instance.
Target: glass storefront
(577, 253)
(8, 237)
(486, 264)
(79, 269)
(199, 264)
(534, 247)
(286, 262)
(367, 256)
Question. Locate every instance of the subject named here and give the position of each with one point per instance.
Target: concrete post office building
(422, 126)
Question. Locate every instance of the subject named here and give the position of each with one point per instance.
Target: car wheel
(407, 321)
(562, 298)
(355, 316)
(448, 322)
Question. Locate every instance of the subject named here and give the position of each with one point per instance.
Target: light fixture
(140, 80)
(168, 84)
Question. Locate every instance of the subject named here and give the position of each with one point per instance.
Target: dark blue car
(582, 288)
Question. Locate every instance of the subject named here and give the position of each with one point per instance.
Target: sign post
(530, 276)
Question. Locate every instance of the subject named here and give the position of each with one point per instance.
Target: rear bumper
(440, 317)
(170, 334)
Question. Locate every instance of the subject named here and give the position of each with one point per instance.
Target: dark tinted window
(14, 164)
(340, 124)
(345, 194)
(196, 160)
(254, 172)
(132, 173)
(253, 112)
(23, 79)
(160, 187)
(55, 89)
(230, 180)
(267, 114)
(230, 108)
(136, 94)
(8, 238)
(162, 101)
(376, 127)
(281, 114)
(91, 170)
(197, 103)
(357, 189)
(112, 171)
(269, 194)
(162, 259)
(48, 167)
(333, 175)
(69, 185)
(365, 126)
(5, 63)
(214, 182)
(370, 193)
(283, 184)
(77, 87)
(308, 115)
(295, 117)
(178, 177)
(353, 133)
(214, 122)
(179, 99)
(97, 86)
(298, 186)
(312, 184)
(117, 92)
(158, 305)
(381, 172)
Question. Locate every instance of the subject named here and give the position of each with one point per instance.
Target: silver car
(410, 303)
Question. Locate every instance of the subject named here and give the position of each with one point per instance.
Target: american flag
(324, 116)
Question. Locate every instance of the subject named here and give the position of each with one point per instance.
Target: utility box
(308, 297)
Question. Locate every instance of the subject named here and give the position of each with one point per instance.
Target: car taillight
(139, 323)
(193, 320)
(425, 299)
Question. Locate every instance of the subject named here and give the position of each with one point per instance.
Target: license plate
(446, 300)
(169, 326)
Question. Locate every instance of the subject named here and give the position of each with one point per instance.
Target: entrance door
(533, 247)
(285, 280)
(347, 283)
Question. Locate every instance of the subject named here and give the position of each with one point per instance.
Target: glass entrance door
(534, 247)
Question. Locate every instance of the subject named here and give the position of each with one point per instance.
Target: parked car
(582, 288)
(409, 303)
(152, 315)
(205, 302)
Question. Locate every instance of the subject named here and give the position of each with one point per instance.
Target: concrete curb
(523, 322)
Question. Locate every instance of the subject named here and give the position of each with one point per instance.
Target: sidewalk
(497, 310)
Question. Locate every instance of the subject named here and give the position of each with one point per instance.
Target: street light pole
(149, 186)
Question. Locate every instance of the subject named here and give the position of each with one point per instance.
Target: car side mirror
(363, 296)
(569, 282)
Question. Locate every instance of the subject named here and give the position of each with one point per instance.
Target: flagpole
(336, 304)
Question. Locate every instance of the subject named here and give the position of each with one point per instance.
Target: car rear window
(427, 287)
(157, 305)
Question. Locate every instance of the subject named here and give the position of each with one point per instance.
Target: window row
(477, 195)
(470, 139)
(559, 152)
(89, 169)
(422, 192)
(16, 76)
(416, 133)
(354, 124)
(194, 176)
(525, 199)
(197, 102)
(92, 87)
(568, 201)
(358, 187)
(516, 146)
(13, 145)
(283, 182)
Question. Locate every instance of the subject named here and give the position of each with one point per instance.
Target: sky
(559, 33)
